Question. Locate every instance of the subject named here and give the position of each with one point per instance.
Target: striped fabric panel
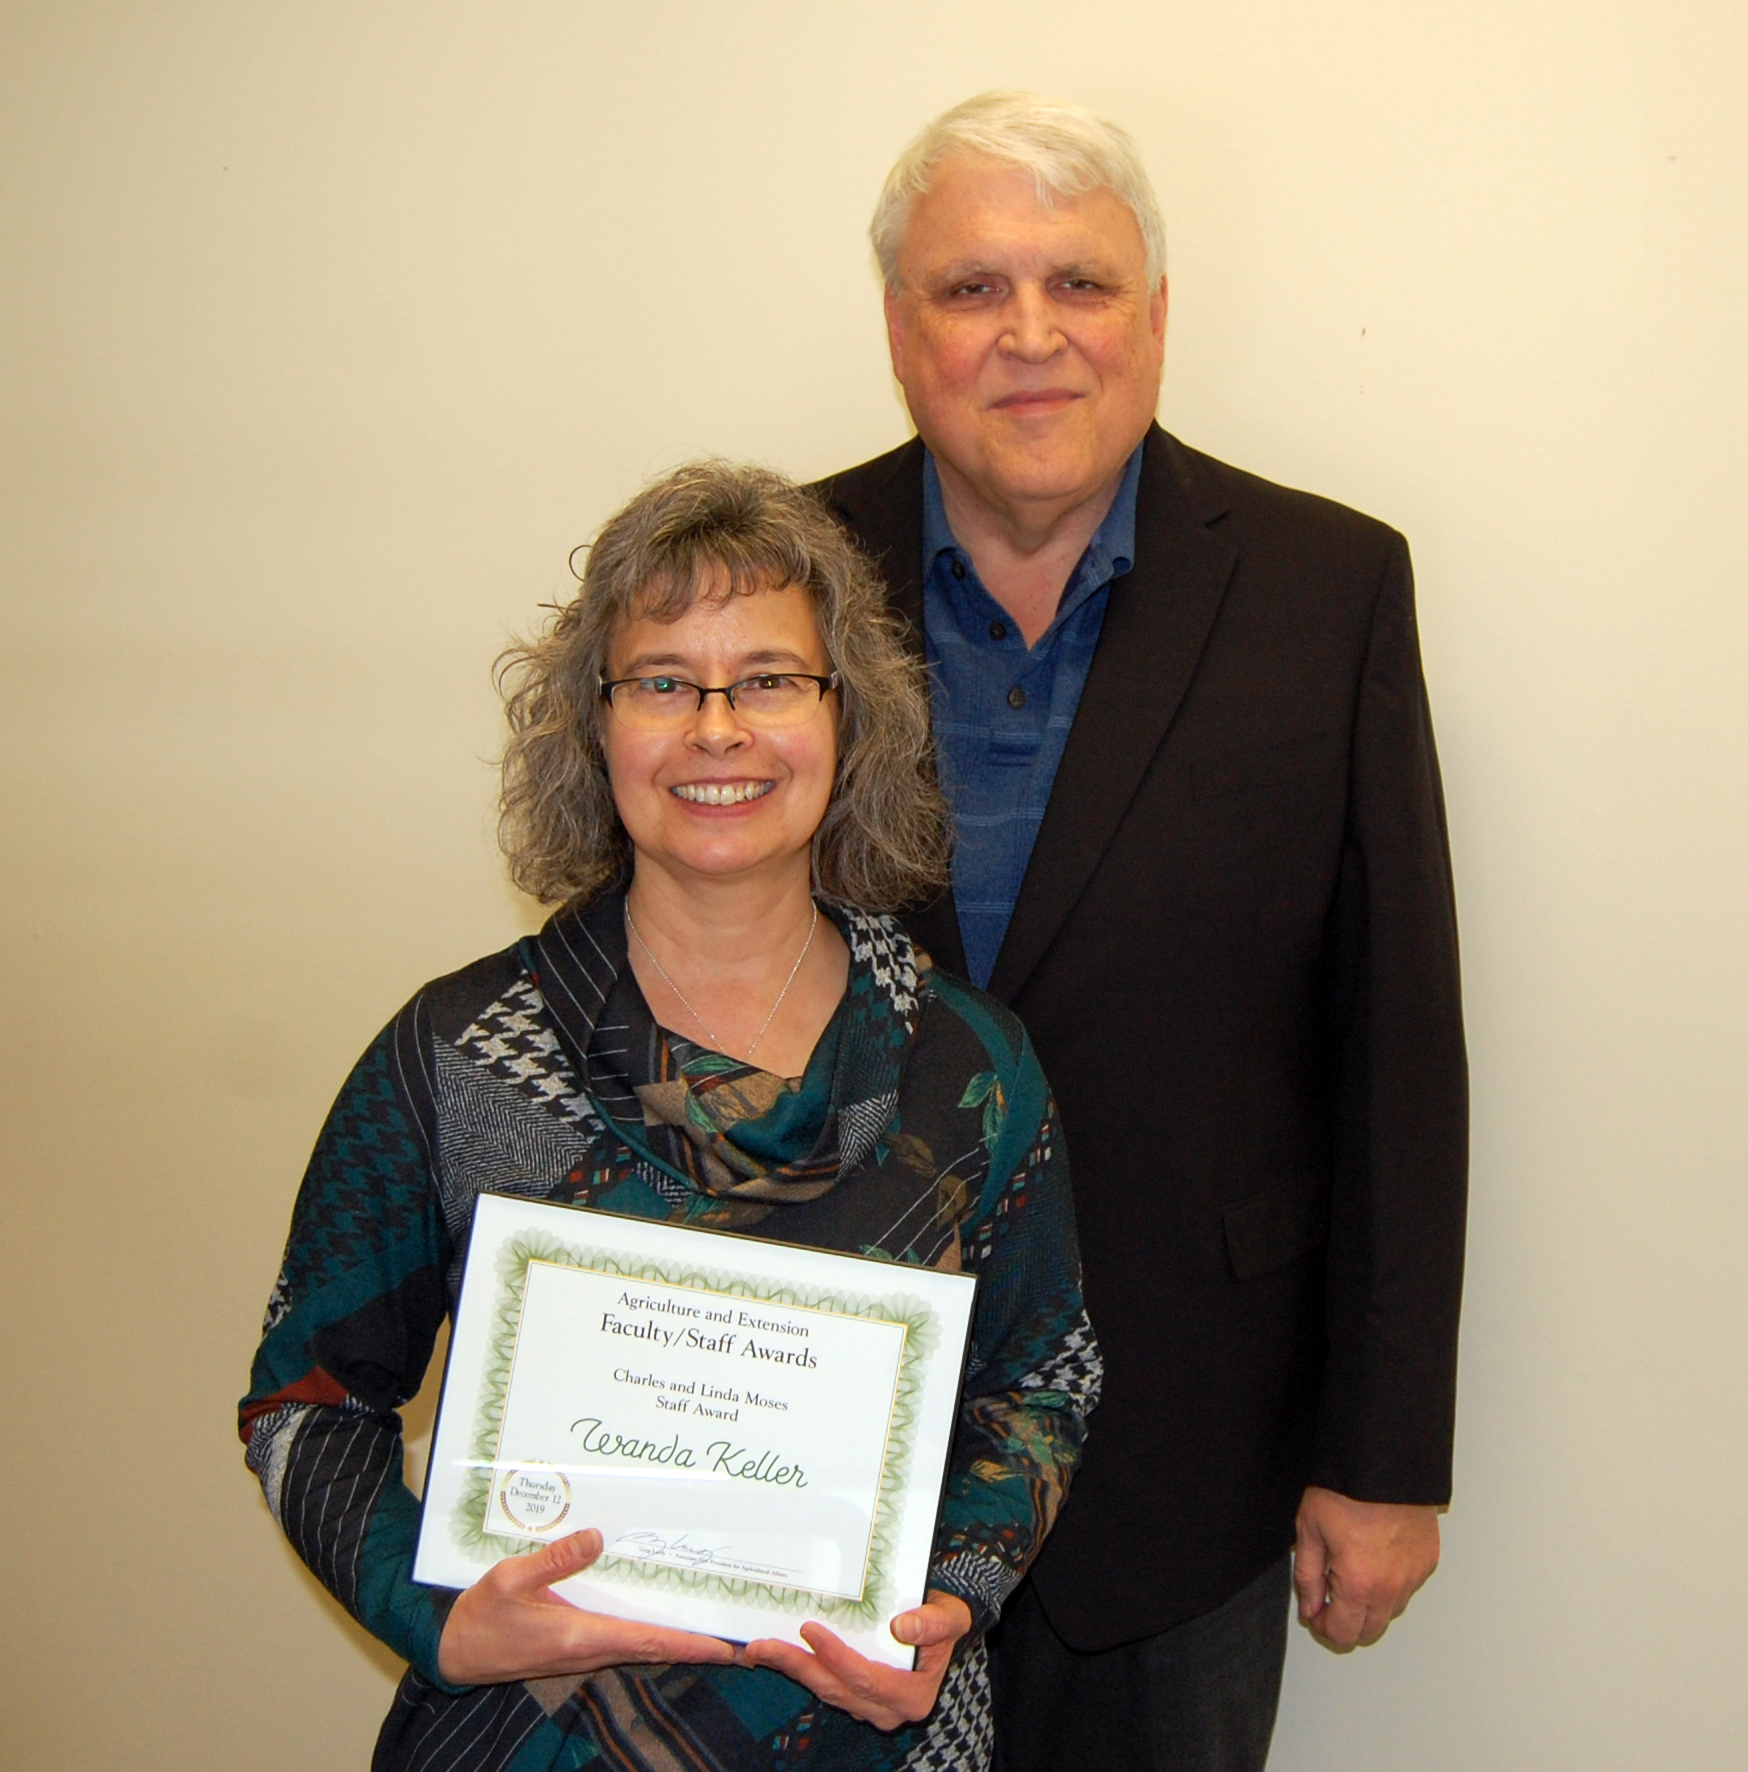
(673, 1722)
(337, 1467)
(488, 1729)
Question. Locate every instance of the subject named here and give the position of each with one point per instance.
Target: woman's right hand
(510, 1625)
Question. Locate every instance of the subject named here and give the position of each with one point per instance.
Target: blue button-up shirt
(1001, 712)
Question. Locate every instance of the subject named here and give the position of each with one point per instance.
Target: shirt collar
(1110, 553)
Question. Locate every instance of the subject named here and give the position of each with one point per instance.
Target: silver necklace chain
(715, 1040)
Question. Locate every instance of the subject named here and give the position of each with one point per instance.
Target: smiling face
(715, 798)
(1027, 339)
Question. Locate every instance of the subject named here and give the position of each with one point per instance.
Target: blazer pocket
(1235, 772)
(1267, 1230)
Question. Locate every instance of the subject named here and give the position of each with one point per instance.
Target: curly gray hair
(1068, 150)
(718, 528)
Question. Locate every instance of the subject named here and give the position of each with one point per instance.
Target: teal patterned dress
(921, 1132)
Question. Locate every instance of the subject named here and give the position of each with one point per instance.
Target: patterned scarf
(738, 1139)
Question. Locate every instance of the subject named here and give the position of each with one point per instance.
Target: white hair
(1067, 149)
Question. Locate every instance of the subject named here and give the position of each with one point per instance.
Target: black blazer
(1235, 948)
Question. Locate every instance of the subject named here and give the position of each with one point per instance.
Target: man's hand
(510, 1625)
(885, 1696)
(1357, 1564)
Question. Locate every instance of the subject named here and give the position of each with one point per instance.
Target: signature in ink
(687, 1551)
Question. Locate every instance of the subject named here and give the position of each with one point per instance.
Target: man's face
(1027, 339)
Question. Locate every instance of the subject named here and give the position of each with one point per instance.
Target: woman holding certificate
(720, 769)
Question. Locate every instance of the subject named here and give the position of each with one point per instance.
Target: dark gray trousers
(1200, 1697)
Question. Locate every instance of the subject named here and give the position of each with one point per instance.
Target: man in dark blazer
(1202, 854)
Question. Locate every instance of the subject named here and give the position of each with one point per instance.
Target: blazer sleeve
(1395, 1253)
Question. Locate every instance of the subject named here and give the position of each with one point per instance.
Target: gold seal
(535, 1498)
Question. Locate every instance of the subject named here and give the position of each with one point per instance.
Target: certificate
(758, 1431)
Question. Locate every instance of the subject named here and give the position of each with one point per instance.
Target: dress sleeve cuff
(983, 1583)
(425, 1632)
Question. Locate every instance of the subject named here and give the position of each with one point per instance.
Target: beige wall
(329, 328)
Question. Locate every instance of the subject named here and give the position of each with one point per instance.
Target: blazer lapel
(881, 504)
(1156, 624)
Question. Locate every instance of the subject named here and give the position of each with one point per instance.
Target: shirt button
(1016, 697)
(998, 630)
(958, 568)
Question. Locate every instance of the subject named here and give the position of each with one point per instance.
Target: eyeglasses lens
(655, 703)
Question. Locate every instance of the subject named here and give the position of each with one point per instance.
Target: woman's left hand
(885, 1696)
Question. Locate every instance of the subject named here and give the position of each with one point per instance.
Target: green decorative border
(922, 1335)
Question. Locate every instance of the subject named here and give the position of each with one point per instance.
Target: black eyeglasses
(772, 698)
